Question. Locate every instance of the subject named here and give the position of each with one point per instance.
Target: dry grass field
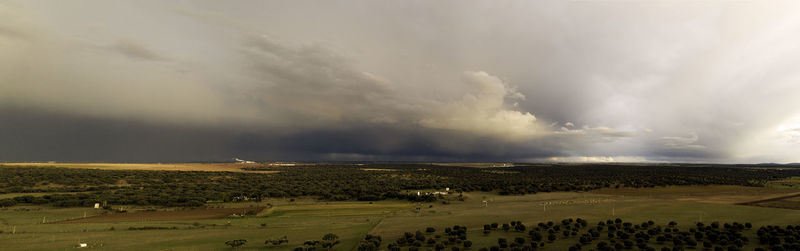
(633, 206)
(206, 167)
(307, 218)
(704, 194)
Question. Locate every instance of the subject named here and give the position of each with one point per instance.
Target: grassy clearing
(791, 182)
(304, 219)
(171, 215)
(593, 207)
(326, 209)
(530, 209)
(705, 194)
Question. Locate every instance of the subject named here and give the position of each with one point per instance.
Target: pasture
(303, 219)
(167, 215)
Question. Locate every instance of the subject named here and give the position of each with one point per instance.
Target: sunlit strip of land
(205, 167)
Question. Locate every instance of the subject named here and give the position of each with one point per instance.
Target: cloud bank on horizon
(411, 80)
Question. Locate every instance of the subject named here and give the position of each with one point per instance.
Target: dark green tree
(235, 243)
(330, 240)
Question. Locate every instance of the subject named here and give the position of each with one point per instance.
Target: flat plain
(306, 218)
(301, 218)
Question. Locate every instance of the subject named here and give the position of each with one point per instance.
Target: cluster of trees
(626, 235)
(235, 243)
(370, 243)
(454, 238)
(619, 235)
(780, 238)
(350, 182)
(538, 236)
(517, 225)
(276, 241)
(608, 235)
(328, 242)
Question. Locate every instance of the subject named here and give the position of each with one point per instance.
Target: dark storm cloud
(511, 80)
(31, 135)
(26, 134)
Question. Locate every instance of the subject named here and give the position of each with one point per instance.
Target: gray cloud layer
(360, 80)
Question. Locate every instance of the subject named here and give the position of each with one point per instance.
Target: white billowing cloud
(316, 83)
(320, 83)
(484, 110)
(683, 142)
(792, 135)
(777, 142)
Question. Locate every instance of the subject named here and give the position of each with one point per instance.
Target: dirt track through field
(178, 215)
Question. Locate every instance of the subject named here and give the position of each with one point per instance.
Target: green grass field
(306, 219)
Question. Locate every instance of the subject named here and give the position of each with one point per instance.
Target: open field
(164, 215)
(593, 207)
(476, 164)
(705, 194)
(303, 219)
(206, 167)
(790, 182)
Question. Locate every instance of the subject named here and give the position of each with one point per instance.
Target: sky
(524, 81)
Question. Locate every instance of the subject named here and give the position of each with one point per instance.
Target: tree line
(70, 187)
